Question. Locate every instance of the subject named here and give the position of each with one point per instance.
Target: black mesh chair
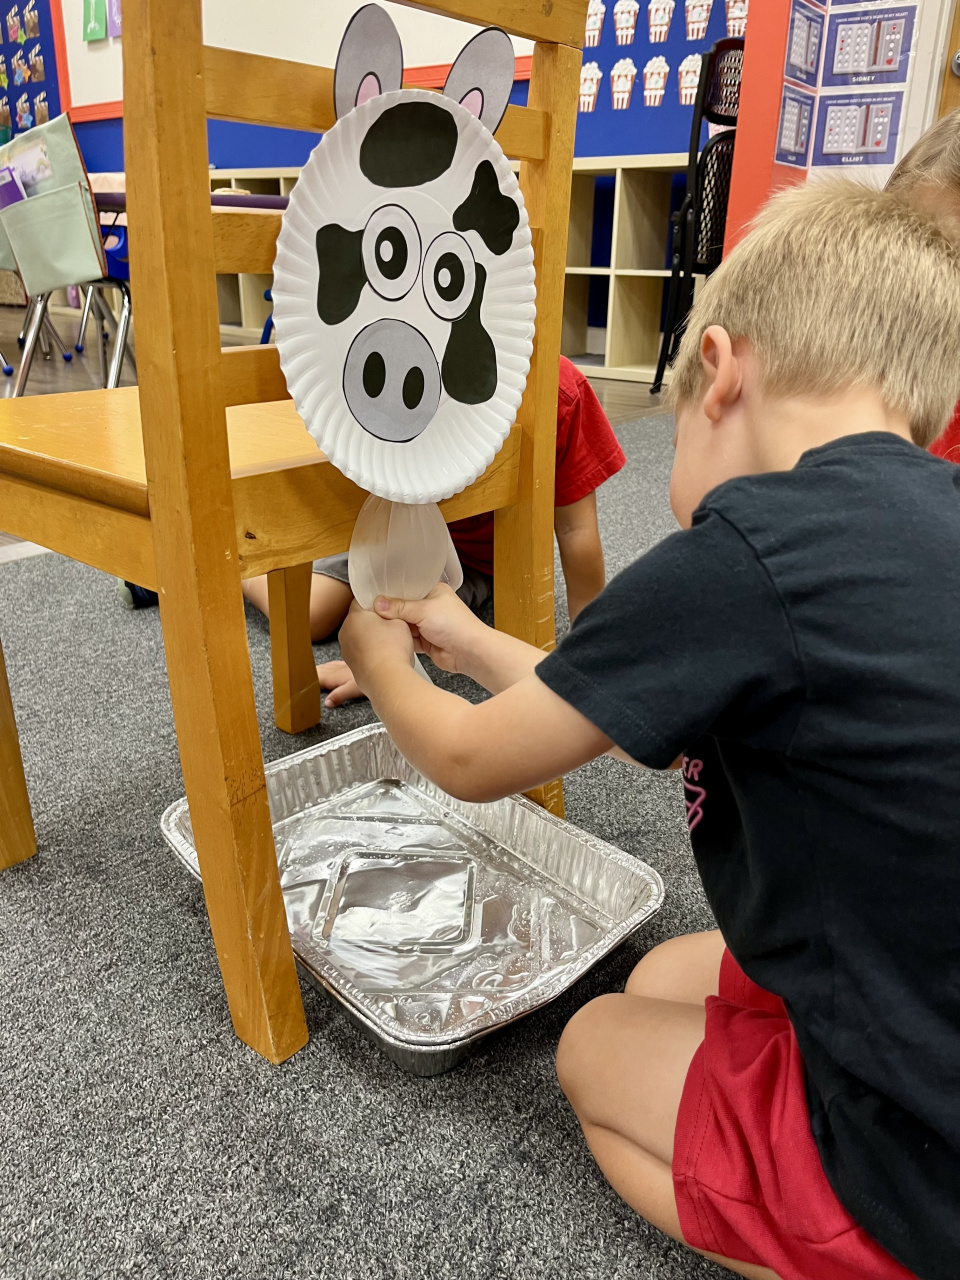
(700, 222)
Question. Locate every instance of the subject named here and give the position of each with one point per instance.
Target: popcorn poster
(29, 91)
(641, 69)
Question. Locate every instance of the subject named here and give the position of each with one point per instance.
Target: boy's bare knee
(582, 1043)
(685, 969)
(645, 979)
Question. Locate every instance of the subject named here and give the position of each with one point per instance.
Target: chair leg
(32, 331)
(208, 664)
(17, 839)
(669, 325)
(84, 319)
(22, 336)
(99, 307)
(50, 329)
(120, 342)
(296, 690)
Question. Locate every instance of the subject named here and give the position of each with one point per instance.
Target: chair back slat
(552, 21)
(245, 240)
(296, 95)
(252, 375)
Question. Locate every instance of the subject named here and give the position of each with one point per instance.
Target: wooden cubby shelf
(636, 273)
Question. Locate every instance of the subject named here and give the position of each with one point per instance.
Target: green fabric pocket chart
(53, 237)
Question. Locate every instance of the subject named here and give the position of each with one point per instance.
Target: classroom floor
(141, 1137)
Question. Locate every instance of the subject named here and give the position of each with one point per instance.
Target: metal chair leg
(120, 343)
(51, 330)
(5, 365)
(32, 332)
(44, 342)
(98, 309)
(22, 336)
(84, 317)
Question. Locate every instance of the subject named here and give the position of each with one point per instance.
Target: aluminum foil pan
(432, 921)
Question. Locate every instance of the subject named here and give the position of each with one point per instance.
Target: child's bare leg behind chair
(329, 602)
(622, 1063)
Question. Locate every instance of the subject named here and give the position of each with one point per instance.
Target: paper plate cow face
(404, 284)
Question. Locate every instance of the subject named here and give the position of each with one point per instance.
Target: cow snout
(391, 380)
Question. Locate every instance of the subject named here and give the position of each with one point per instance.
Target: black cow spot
(409, 144)
(342, 277)
(487, 211)
(469, 365)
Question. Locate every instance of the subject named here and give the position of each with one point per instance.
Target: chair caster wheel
(8, 370)
(68, 356)
(78, 348)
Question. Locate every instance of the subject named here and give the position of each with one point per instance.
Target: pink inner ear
(473, 101)
(369, 88)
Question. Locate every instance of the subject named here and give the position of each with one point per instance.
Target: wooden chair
(204, 474)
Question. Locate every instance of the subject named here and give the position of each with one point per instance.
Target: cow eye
(449, 276)
(391, 251)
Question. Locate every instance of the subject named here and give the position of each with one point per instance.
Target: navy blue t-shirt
(800, 644)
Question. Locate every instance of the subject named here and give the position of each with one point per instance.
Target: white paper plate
(461, 440)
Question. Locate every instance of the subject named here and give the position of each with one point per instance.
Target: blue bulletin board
(639, 80)
(29, 89)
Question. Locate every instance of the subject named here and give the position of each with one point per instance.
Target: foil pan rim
(332, 979)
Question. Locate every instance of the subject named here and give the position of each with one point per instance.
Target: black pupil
(394, 262)
(449, 268)
(413, 387)
(374, 374)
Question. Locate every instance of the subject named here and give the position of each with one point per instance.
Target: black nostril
(413, 387)
(375, 375)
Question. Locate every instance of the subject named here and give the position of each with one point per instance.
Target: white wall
(299, 30)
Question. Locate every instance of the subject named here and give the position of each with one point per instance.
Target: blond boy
(780, 1094)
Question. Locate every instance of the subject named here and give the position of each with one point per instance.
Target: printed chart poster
(795, 128)
(857, 130)
(868, 46)
(804, 43)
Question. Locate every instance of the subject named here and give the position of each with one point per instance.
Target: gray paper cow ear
(482, 76)
(369, 61)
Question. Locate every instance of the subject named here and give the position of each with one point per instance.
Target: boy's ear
(481, 79)
(723, 375)
(369, 61)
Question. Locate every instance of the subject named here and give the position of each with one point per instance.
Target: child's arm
(516, 740)
(581, 552)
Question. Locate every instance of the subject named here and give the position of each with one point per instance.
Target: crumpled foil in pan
(433, 921)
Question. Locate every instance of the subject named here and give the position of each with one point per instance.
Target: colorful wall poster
(114, 19)
(868, 46)
(804, 43)
(94, 19)
(795, 128)
(857, 129)
(29, 88)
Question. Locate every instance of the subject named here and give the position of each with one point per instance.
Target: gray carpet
(140, 1137)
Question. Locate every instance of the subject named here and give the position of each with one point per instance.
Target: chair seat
(89, 443)
(72, 478)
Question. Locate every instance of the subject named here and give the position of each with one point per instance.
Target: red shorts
(746, 1173)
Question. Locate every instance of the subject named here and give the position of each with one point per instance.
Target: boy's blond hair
(933, 161)
(840, 285)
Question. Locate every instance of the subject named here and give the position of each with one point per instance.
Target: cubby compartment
(633, 335)
(643, 222)
(585, 310)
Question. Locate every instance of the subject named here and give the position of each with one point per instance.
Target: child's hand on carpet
(337, 678)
